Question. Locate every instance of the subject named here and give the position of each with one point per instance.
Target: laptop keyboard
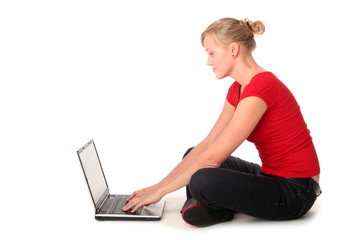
(120, 202)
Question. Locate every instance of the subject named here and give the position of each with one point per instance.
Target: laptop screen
(93, 171)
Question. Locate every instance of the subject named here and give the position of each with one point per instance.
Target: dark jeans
(240, 186)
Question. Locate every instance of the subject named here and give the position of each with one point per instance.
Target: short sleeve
(264, 86)
(233, 94)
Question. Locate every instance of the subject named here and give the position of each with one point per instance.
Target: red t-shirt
(281, 136)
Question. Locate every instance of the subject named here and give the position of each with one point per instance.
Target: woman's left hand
(143, 197)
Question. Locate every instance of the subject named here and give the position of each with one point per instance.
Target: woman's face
(219, 58)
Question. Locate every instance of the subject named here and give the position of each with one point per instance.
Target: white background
(133, 76)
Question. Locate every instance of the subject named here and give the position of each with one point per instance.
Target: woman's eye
(211, 53)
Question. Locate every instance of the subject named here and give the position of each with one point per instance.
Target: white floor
(320, 222)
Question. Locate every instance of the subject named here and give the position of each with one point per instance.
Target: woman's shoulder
(264, 79)
(263, 85)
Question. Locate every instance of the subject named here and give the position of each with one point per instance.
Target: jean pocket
(307, 199)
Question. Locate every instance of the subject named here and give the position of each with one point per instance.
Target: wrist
(161, 190)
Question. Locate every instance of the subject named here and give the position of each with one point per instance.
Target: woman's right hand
(143, 197)
(143, 191)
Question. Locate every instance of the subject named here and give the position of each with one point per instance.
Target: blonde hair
(228, 30)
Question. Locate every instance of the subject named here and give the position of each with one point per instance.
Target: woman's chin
(219, 77)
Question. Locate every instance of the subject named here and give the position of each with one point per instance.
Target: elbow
(212, 162)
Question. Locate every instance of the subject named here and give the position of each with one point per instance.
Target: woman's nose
(209, 62)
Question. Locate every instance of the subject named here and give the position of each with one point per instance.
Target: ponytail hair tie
(247, 22)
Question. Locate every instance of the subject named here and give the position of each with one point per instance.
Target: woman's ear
(235, 49)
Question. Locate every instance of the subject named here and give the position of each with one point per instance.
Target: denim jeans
(240, 186)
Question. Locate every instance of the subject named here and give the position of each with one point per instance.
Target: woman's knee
(202, 182)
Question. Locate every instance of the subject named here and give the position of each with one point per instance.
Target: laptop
(109, 206)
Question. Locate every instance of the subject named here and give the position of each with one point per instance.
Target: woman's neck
(245, 68)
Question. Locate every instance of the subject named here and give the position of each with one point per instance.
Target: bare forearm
(186, 162)
(182, 177)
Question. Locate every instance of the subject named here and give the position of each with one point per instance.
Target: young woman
(261, 109)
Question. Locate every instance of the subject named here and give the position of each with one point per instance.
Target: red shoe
(198, 215)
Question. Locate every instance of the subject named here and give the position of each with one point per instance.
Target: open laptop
(109, 206)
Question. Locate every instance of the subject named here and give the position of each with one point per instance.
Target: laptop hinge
(102, 203)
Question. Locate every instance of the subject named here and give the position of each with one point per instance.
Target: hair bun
(257, 27)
